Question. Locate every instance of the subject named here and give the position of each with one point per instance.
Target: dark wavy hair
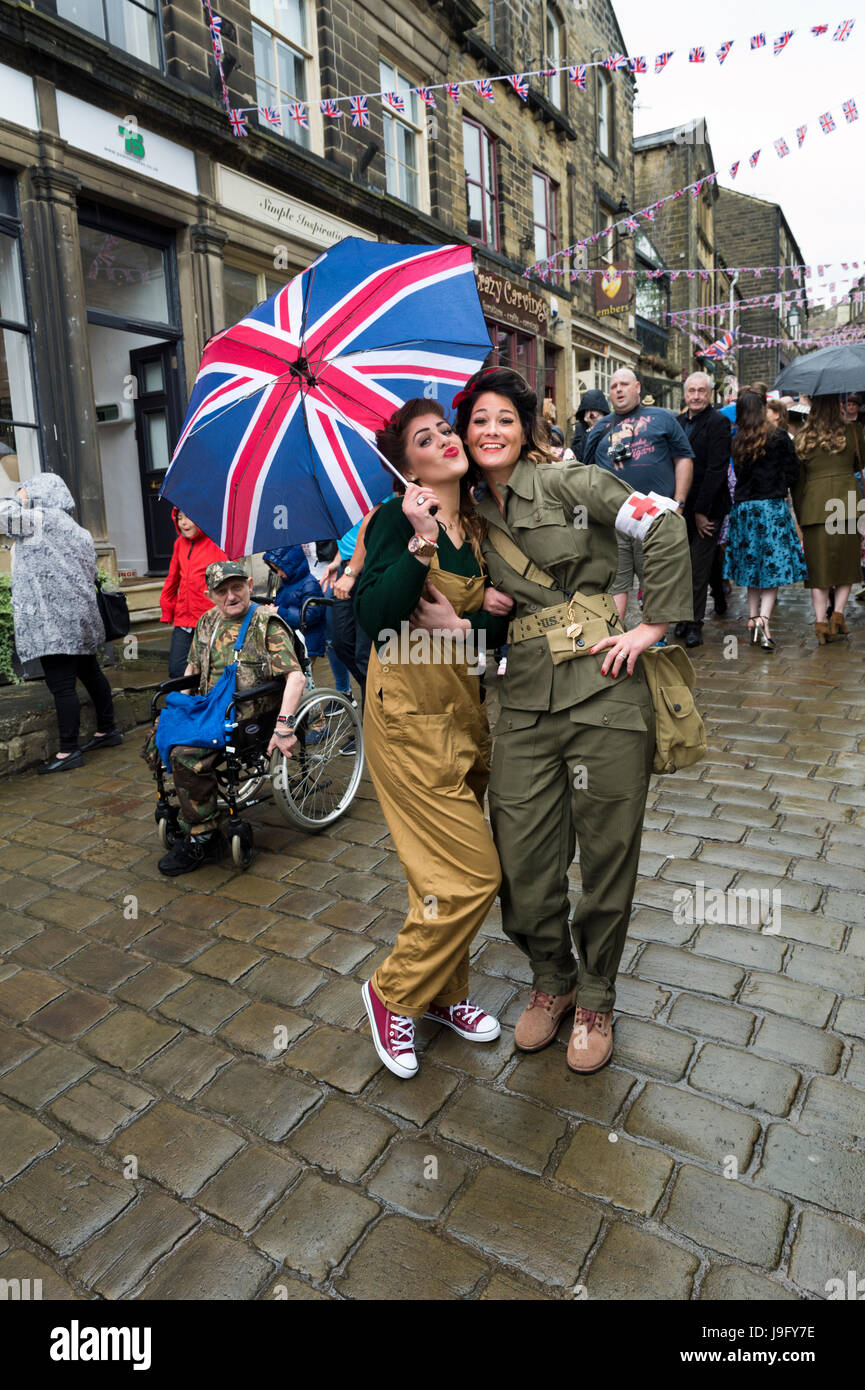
(753, 429)
(392, 440)
(503, 381)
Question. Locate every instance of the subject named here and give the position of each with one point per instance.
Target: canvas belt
(580, 609)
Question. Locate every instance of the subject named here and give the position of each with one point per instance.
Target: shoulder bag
(199, 721)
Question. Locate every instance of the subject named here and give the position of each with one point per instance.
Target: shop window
(605, 113)
(404, 139)
(514, 349)
(123, 277)
(19, 430)
(482, 204)
(653, 295)
(284, 67)
(242, 289)
(133, 25)
(545, 215)
(553, 59)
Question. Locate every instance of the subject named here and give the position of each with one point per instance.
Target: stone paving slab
(191, 1107)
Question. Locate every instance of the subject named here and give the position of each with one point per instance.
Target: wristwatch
(288, 721)
(350, 572)
(421, 547)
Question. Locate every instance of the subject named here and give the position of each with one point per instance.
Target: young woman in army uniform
(426, 735)
(575, 740)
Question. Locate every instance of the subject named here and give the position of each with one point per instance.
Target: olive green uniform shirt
(563, 517)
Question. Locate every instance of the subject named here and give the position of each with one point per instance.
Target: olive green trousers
(556, 782)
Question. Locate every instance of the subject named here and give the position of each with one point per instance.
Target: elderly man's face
(591, 417)
(698, 395)
(624, 392)
(233, 598)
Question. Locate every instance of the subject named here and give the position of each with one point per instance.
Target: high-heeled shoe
(753, 630)
(762, 636)
(837, 625)
(822, 633)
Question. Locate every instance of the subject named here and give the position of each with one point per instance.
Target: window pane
(16, 385)
(265, 95)
(291, 73)
(471, 151)
(11, 288)
(153, 376)
(19, 456)
(239, 293)
(133, 29)
(87, 14)
(539, 199)
(489, 166)
(285, 16)
(123, 276)
(271, 286)
(407, 146)
(387, 77)
(474, 211)
(262, 51)
(157, 436)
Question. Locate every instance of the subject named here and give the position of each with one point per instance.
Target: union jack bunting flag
(426, 95)
(578, 76)
(649, 214)
(484, 88)
(216, 35)
(662, 60)
(781, 148)
(782, 41)
(270, 114)
(359, 111)
(695, 191)
(632, 224)
(329, 108)
(237, 121)
(818, 29)
(758, 41)
(637, 64)
(752, 160)
(453, 90)
(615, 62)
(849, 109)
(724, 50)
(697, 55)
(297, 112)
(827, 123)
(394, 100)
(842, 33)
(520, 85)
(801, 132)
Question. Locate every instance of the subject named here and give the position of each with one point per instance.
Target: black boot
(694, 635)
(680, 629)
(190, 854)
(719, 598)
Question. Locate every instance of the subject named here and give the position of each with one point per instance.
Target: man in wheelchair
(267, 654)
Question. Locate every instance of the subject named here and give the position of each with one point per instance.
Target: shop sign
(293, 218)
(511, 302)
(612, 290)
(17, 98)
(121, 140)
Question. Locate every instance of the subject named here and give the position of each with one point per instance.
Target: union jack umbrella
(395, 100)
(758, 41)
(724, 50)
(297, 112)
(453, 90)
(850, 111)
(697, 55)
(278, 443)
(781, 148)
(577, 75)
(330, 108)
(752, 159)
(270, 114)
(801, 132)
(782, 41)
(426, 95)
(237, 121)
(842, 33)
(484, 88)
(637, 64)
(359, 111)
(662, 60)
(520, 85)
(827, 122)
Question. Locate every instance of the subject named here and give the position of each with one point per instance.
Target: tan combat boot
(591, 1044)
(538, 1024)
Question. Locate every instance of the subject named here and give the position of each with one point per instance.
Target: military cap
(220, 570)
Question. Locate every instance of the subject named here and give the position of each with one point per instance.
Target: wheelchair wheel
(166, 825)
(240, 835)
(315, 786)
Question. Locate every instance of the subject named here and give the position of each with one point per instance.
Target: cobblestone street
(192, 1108)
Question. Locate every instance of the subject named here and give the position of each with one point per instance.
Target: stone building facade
(753, 232)
(134, 224)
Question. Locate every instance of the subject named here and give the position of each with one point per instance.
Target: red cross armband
(638, 512)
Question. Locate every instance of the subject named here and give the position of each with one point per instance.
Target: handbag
(680, 736)
(200, 721)
(114, 612)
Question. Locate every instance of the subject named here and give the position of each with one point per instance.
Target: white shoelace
(401, 1033)
(469, 1011)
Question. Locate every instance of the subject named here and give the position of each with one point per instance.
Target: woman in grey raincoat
(54, 609)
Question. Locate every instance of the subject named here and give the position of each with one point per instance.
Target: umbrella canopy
(277, 447)
(831, 371)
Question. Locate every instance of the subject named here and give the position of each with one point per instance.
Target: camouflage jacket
(267, 653)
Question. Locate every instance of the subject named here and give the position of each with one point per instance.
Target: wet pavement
(191, 1106)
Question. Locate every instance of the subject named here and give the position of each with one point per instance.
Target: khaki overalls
(427, 746)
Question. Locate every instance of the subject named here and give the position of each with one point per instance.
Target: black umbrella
(829, 372)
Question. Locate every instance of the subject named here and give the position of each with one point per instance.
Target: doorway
(158, 421)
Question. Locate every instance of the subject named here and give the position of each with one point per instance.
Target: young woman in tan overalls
(425, 730)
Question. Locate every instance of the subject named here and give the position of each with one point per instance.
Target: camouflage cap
(220, 570)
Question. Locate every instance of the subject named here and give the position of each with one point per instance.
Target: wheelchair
(311, 789)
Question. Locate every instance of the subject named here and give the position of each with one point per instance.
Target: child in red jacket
(184, 596)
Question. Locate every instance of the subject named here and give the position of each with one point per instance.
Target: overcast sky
(756, 98)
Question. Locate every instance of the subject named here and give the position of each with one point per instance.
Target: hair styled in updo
(504, 381)
(392, 441)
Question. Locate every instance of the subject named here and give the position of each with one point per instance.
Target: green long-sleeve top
(393, 580)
